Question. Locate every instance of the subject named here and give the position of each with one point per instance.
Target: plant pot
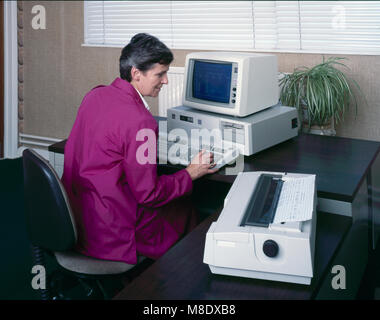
(327, 129)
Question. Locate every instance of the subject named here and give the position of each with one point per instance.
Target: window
(288, 26)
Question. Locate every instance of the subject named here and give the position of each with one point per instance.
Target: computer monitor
(232, 83)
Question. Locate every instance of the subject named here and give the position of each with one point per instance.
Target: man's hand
(201, 165)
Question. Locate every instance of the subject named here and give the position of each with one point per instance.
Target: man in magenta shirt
(122, 208)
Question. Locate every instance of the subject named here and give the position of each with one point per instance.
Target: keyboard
(222, 156)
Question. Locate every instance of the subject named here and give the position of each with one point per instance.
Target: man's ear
(135, 74)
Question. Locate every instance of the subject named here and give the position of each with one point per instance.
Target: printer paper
(296, 200)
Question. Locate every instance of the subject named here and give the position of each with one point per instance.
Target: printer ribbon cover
(263, 204)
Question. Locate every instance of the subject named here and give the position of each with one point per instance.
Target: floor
(370, 286)
(376, 295)
(16, 263)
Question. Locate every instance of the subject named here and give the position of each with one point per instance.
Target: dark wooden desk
(181, 273)
(341, 164)
(345, 179)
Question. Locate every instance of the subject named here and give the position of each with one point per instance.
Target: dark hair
(142, 52)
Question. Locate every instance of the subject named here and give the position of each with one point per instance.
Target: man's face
(149, 83)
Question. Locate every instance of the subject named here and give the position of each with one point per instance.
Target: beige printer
(266, 229)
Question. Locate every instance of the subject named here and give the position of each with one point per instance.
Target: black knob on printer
(270, 248)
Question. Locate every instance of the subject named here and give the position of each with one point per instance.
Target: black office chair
(51, 229)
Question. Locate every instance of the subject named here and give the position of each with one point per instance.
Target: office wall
(58, 71)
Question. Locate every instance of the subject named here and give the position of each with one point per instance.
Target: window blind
(212, 24)
(276, 25)
(295, 26)
(93, 22)
(340, 26)
(114, 23)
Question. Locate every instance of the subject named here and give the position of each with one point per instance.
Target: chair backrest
(49, 217)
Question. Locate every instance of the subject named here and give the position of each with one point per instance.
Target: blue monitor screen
(212, 81)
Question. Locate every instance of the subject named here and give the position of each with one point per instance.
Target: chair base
(67, 286)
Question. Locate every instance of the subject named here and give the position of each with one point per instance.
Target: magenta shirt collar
(126, 87)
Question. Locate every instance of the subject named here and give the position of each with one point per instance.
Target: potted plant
(321, 95)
